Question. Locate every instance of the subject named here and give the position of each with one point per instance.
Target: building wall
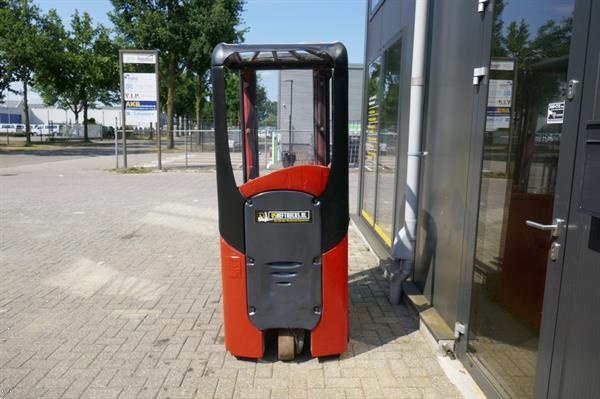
(11, 112)
(453, 141)
(355, 92)
(40, 114)
(104, 116)
(301, 105)
(10, 117)
(450, 174)
(302, 113)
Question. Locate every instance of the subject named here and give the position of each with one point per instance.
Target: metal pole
(7, 135)
(123, 119)
(116, 144)
(404, 247)
(290, 138)
(185, 135)
(158, 143)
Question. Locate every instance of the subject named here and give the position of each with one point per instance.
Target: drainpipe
(403, 249)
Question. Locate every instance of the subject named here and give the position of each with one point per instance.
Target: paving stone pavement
(110, 288)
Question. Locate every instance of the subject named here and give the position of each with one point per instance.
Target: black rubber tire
(286, 347)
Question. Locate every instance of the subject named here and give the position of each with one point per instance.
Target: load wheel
(285, 345)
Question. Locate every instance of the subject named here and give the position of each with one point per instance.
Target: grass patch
(46, 146)
(132, 170)
(172, 150)
(494, 174)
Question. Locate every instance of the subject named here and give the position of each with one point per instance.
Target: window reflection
(388, 144)
(524, 115)
(370, 143)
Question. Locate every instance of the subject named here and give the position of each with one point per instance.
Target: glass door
(381, 143)
(369, 165)
(524, 118)
(388, 145)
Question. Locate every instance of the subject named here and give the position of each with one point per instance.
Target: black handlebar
(280, 56)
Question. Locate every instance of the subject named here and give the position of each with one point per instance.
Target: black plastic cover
(283, 260)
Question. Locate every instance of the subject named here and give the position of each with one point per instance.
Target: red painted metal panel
(241, 337)
(248, 87)
(330, 336)
(310, 179)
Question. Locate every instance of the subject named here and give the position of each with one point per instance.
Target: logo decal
(283, 216)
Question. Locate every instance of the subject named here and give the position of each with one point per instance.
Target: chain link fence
(273, 145)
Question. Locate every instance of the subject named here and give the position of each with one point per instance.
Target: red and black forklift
(284, 245)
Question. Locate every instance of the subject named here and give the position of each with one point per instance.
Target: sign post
(186, 128)
(140, 95)
(116, 143)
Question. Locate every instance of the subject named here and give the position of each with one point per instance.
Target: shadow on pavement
(373, 321)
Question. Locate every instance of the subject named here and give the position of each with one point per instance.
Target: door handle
(554, 228)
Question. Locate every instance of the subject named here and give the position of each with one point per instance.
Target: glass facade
(381, 143)
(524, 115)
(369, 165)
(388, 144)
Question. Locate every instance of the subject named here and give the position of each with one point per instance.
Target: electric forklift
(284, 245)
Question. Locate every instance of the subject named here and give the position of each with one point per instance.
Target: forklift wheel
(285, 345)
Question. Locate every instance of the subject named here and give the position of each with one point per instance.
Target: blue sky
(268, 21)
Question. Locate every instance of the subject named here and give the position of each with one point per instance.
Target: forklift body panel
(284, 247)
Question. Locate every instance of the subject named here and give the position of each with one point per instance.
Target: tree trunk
(26, 112)
(170, 94)
(198, 105)
(76, 112)
(85, 122)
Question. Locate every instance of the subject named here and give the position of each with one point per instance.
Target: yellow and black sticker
(283, 216)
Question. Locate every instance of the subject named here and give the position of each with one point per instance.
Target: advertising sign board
(140, 98)
(139, 58)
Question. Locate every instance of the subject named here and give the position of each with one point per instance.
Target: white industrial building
(302, 102)
(40, 114)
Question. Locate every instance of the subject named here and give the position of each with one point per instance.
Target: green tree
(266, 110)
(210, 22)
(553, 39)
(183, 103)
(4, 83)
(25, 40)
(232, 95)
(183, 96)
(184, 32)
(157, 24)
(516, 40)
(498, 49)
(87, 72)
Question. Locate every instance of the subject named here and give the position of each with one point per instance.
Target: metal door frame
(562, 203)
(548, 381)
(478, 109)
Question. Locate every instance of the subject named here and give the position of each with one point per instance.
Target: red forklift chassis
(284, 246)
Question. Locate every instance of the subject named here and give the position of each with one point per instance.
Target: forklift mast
(284, 233)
